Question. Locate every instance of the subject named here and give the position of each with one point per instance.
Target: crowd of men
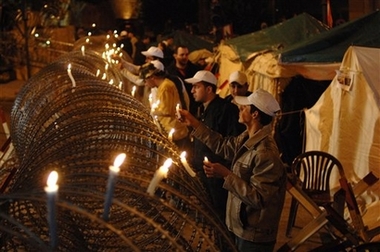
(228, 140)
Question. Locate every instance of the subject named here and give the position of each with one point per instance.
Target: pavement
(9, 91)
(8, 94)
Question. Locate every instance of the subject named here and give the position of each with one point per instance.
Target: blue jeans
(248, 246)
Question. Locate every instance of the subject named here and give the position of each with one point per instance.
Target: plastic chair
(313, 169)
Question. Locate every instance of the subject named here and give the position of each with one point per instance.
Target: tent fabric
(256, 54)
(370, 58)
(345, 121)
(278, 36)
(197, 55)
(318, 57)
(313, 71)
(330, 46)
(193, 42)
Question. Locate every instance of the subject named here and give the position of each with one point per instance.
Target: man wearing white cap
(131, 71)
(256, 180)
(238, 85)
(218, 115)
(167, 94)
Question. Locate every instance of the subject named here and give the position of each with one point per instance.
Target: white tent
(257, 54)
(262, 70)
(345, 121)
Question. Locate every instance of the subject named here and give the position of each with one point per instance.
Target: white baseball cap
(154, 52)
(158, 65)
(153, 67)
(239, 77)
(203, 75)
(262, 100)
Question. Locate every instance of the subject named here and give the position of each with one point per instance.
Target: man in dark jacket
(256, 180)
(183, 68)
(238, 86)
(221, 116)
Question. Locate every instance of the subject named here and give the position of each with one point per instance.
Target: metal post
(324, 11)
(26, 36)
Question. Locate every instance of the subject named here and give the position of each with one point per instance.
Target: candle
(177, 111)
(133, 91)
(70, 75)
(206, 159)
(170, 136)
(157, 123)
(150, 98)
(186, 165)
(158, 176)
(51, 191)
(154, 107)
(82, 49)
(113, 171)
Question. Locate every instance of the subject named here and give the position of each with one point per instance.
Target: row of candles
(107, 55)
(51, 189)
(111, 82)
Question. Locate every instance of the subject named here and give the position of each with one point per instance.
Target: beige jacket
(257, 186)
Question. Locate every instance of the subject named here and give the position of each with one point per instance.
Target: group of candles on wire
(52, 189)
(107, 55)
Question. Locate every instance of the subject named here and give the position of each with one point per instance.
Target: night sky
(245, 15)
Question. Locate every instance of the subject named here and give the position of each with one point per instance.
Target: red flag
(329, 15)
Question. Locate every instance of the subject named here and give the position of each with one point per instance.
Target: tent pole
(324, 11)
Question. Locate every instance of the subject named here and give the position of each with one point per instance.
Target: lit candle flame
(52, 179)
(159, 175)
(170, 136)
(186, 165)
(119, 160)
(71, 76)
(168, 163)
(177, 108)
(133, 91)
